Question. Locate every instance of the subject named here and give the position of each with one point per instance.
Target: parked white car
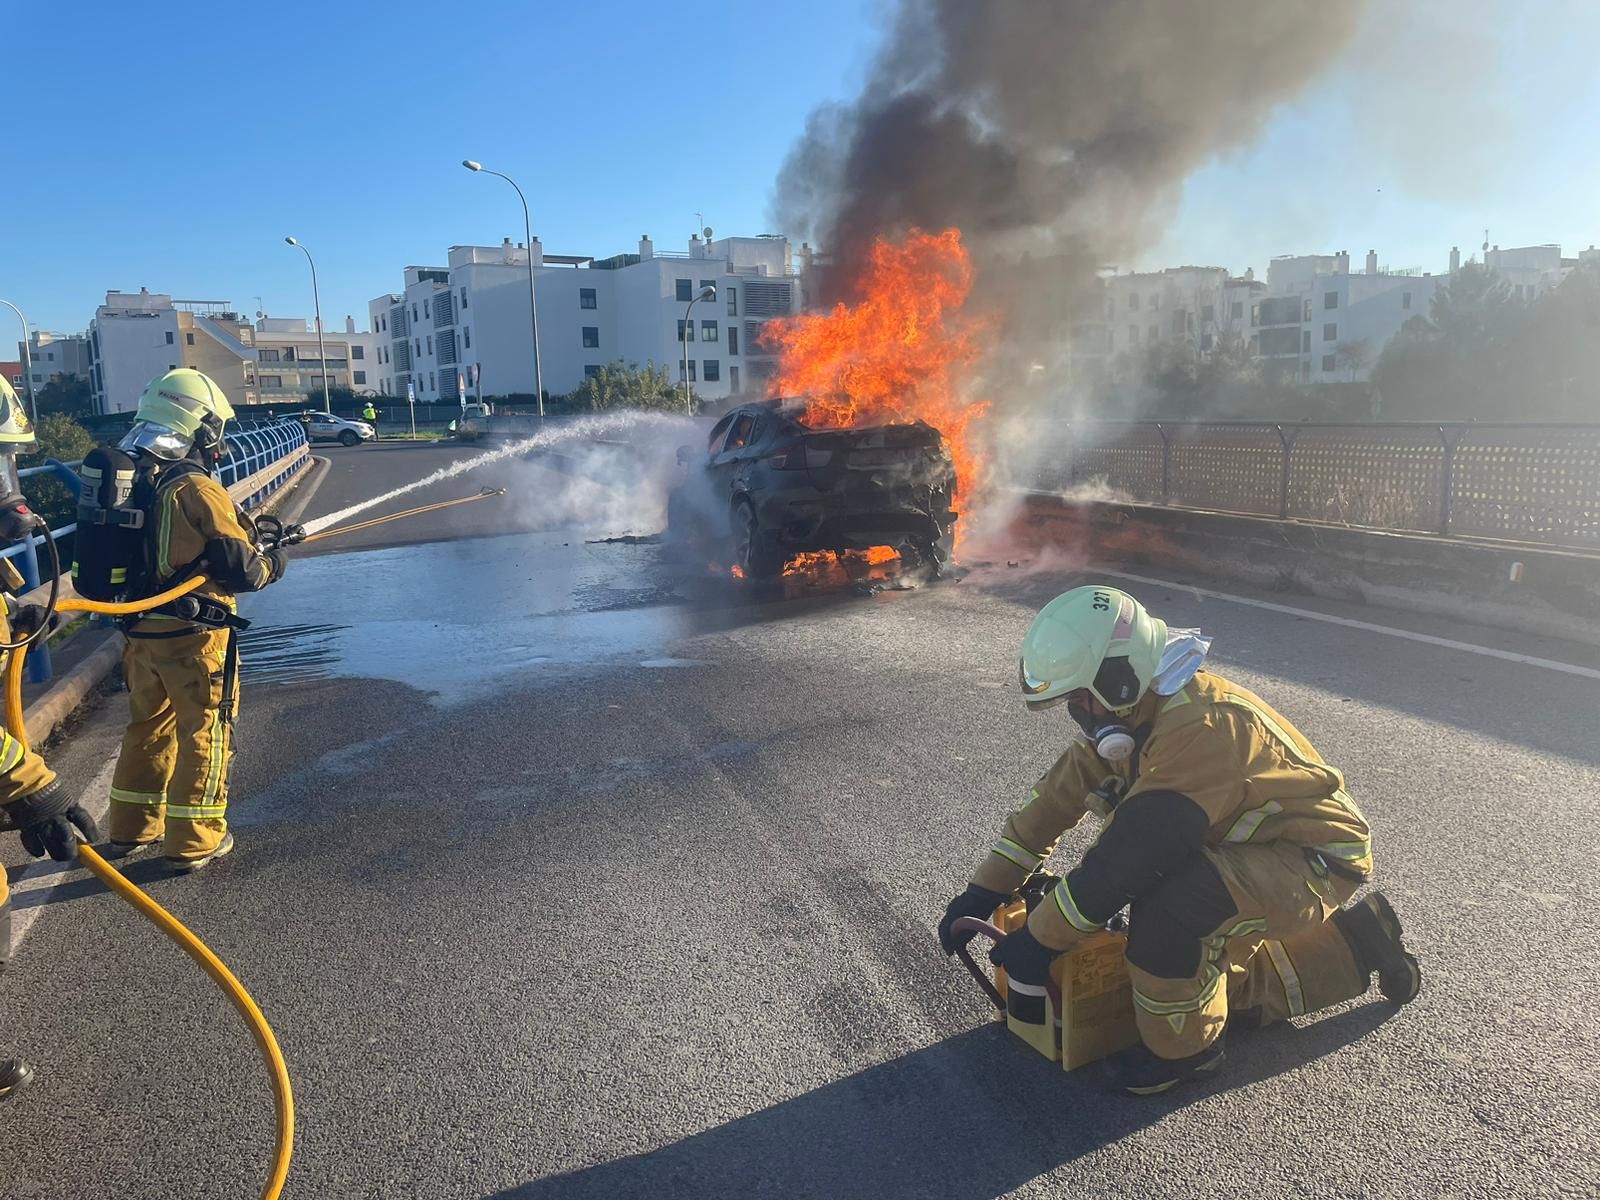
(325, 427)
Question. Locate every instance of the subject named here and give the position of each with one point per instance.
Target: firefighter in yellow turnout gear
(1236, 845)
(31, 799)
(171, 779)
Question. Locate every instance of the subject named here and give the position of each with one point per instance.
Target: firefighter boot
(185, 865)
(1373, 931)
(1140, 1073)
(14, 1076)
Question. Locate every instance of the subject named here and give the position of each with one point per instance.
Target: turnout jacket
(1214, 765)
(195, 521)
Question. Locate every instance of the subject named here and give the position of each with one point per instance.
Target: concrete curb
(67, 692)
(294, 499)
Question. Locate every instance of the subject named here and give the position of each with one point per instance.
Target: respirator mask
(1108, 733)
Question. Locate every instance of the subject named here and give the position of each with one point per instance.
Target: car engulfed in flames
(770, 487)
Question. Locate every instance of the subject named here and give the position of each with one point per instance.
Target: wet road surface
(565, 871)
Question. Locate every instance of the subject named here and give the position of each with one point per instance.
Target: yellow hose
(213, 966)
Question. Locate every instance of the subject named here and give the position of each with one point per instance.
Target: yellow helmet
(178, 411)
(16, 431)
(1096, 638)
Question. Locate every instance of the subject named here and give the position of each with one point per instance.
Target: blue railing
(253, 450)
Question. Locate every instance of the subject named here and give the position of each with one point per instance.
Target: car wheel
(349, 438)
(754, 551)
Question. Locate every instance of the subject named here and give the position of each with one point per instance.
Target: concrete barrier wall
(1529, 589)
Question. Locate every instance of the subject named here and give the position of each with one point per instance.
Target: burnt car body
(766, 487)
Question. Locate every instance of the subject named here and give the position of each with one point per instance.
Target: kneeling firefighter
(154, 517)
(31, 799)
(1235, 844)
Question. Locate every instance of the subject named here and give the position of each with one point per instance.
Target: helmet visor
(155, 438)
(10, 484)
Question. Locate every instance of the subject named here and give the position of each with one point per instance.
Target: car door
(730, 464)
(322, 425)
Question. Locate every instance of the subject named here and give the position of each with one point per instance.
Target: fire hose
(160, 917)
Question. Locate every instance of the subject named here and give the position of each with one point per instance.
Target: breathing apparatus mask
(1108, 732)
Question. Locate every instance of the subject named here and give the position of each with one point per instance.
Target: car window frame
(750, 437)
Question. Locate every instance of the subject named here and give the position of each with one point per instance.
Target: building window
(414, 317)
(705, 283)
(359, 353)
(591, 337)
(1330, 299)
(713, 371)
(733, 378)
(733, 339)
(685, 291)
(383, 324)
(417, 345)
(169, 337)
(1133, 335)
(1208, 313)
(1255, 314)
(591, 370)
(463, 296)
(426, 315)
(361, 376)
(431, 384)
(1205, 342)
(267, 381)
(188, 339)
(1330, 333)
(1305, 341)
(383, 354)
(430, 343)
(708, 331)
(1327, 362)
(691, 370)
(1133, 301)
(288, 354)
(1236, 312)
(1405, 299)
(268, 355)
(587, 298)
(733, 302)
(681, 330)
(466, 337)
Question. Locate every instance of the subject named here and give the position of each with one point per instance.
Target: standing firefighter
(31, 799)
(1235, 844)
(181, 664)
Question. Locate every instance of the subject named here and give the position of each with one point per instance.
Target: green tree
(341, 400)
(70, 394)
(63, 439)
(615, 386)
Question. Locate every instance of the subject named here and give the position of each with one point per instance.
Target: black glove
(1024, 957)
(293, 535)
(18, 521)
(277, 562)
(50, 821)
(29, 617)
(974, 902)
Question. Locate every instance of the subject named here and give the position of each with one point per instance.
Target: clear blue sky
(176, 153)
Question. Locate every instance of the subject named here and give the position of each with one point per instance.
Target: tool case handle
(994, 933)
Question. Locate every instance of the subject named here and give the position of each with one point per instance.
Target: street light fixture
(27, 362)
(316, 299)
(533, 304)
(706, 293)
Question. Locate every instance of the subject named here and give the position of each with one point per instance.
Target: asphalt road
(566, 873)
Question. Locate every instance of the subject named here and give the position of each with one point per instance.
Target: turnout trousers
(1239, 928)
(172, 777)
(22, 773)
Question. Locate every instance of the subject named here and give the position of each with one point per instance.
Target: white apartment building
(473, 316)
(1202, 306)
(289, 366)
(1322, 324)
(56, 355)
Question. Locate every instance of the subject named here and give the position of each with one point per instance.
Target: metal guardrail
(1538, 484)
(262, 457)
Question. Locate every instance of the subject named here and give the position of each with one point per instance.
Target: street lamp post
(706, 293)
(533, 304)
(27, 362)
(316, 299)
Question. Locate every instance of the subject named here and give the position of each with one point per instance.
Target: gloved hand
(293, 535)
(1024, 957)
(278, 561)
(974, 902)
(29, 617)
(49, 822)
(17, 521)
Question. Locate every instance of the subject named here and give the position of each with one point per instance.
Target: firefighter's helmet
(16, 431)
(179, 411)
(1096, 638)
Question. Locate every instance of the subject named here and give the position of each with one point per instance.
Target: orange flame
(819, 562)
(896, 355)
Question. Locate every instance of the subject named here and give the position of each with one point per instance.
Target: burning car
(768, 486)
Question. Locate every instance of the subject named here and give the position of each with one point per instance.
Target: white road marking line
(1531, 660)
(44, 875)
